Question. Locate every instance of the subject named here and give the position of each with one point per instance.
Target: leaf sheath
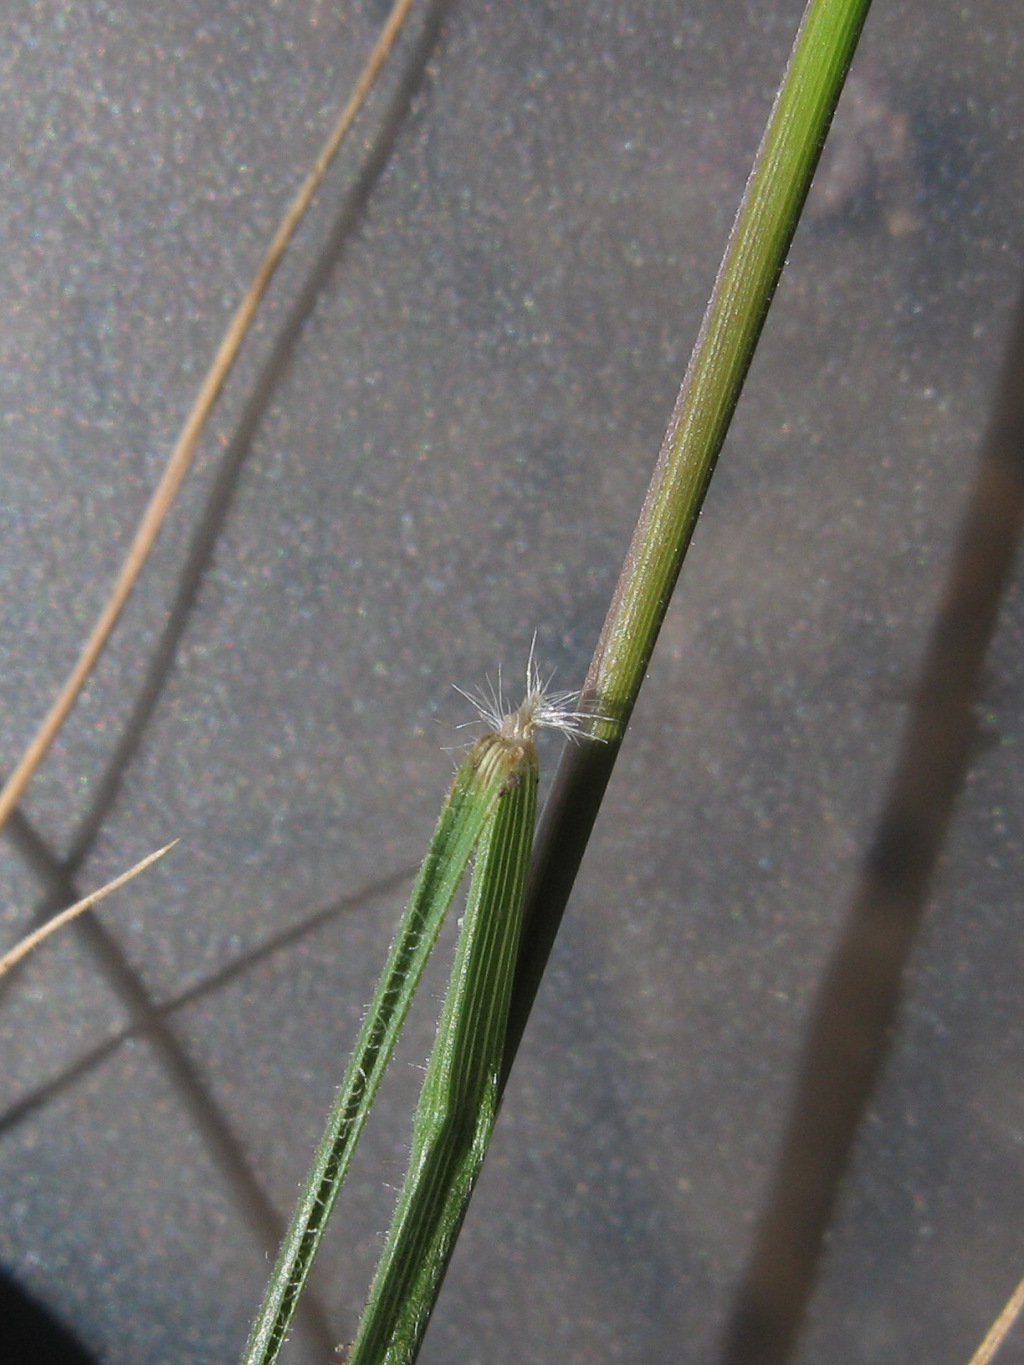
(467, 809)
(459, 1100)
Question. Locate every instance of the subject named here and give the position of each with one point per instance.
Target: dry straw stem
(184, 450)
(30, 941)
(1000, 1329)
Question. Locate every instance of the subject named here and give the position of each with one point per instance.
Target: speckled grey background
(448, 453)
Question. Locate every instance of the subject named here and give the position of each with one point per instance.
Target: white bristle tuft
(540, 709)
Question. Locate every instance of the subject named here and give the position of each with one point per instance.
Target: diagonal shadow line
(38, 1098)
(850, 1032)
(223, 1147)
(57, 877)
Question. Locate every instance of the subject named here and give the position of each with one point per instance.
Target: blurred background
(435, 443)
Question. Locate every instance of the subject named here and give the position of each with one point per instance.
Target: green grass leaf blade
(459, 1100)
(465, 814)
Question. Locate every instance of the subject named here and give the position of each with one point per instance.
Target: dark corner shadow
(30, 1333)
(848, 1036)
(37, 1099)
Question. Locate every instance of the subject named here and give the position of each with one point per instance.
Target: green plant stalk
(459, 1100)
(747, 279)
(750, 270)
(465, 814)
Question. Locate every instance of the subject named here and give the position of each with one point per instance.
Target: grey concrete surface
(435, 444)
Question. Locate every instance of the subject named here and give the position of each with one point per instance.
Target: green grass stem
(462, 1080)
(750, 270)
